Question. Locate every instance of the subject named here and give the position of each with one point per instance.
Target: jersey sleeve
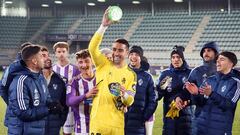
(130, 91)
(98, 58)
(73, 98)
(231, 98)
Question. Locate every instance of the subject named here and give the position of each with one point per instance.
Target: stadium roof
(34, 3)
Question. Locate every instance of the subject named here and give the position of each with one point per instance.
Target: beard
(47, 64)
(47, 67)
(116, 60)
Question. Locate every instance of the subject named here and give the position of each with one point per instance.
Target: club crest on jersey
(204, 77)
(223, 88)
(140, 82)
(64, 79)
(36, 102)
(55, 86)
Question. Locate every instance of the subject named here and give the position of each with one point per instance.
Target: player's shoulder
(131, 73)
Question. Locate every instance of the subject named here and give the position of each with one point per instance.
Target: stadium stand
(156, 34)
(224, 29)
(60, 25)
(33, 25)
(12, 31)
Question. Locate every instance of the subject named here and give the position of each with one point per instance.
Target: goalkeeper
(170, 84)
(115, 82)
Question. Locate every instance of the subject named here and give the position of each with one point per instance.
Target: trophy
(115, 13)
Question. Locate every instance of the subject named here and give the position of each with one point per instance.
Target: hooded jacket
(8, 76)
(199, 74)
(144, 104)
(7, 79)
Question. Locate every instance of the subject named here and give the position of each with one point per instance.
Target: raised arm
(97, 57)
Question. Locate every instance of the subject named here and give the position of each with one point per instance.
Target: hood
(236, 73)
(212, 45)
(145, 65)
(17, 66)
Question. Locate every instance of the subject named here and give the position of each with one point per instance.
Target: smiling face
(48, 63)
(208, 54)
(120, 52)
(224, 65)
(135, 60)
(84, 64)
(176, 60)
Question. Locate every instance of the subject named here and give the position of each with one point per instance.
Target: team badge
(64, 79)
(140, 82)
(204, 77)
(55, 86)
(223, 88)
(36, 102)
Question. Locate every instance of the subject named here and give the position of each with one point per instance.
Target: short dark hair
(123, 41)
(44, 48)
(30, 51)
(230, 55)
(82, 54)
(24, 45)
